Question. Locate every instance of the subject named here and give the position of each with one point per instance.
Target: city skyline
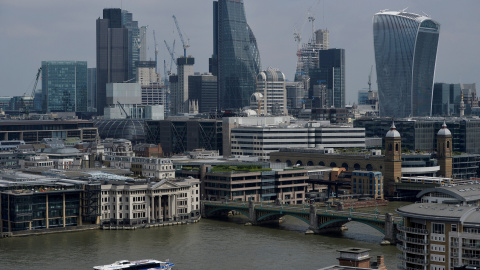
(37, 32)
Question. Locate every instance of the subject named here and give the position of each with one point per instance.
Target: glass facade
(64, 86)
(236, 58)
(405, 53)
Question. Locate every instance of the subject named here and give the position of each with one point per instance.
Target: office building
(179, 89)
(153, 91)
(202, 88)
(295, 95)
(236, 59)
(331, 72)
(137, 39)
(64, 86)
(91, 89)
(271, 84)
(112, 53)
(405, 47)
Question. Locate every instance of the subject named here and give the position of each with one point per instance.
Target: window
(438, 228)
(454, 227)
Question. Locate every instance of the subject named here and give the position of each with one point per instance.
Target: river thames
(208, 244)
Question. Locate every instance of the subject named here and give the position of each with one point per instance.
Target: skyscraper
(91, 89)
(235, 60)
(64, 86)
(112, 53)
(331, 72)
(179, 90)
(405, 53)
(271, 84)
(202, 88)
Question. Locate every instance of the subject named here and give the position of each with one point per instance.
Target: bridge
(319, 220)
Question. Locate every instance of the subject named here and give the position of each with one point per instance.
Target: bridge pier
(252, 215)
(313, 227)
(390, 229)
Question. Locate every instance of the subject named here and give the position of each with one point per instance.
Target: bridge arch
(283, 214)
(210, 212)
(342, 221)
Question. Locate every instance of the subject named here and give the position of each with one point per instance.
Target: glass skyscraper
(236, 60)
(64, 86)
(405, 53)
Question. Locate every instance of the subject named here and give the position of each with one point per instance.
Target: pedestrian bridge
(319, 220)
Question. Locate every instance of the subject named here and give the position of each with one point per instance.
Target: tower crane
(185, 44)
(370, 80)
(156, 51)
(172, 54)
(32, 95)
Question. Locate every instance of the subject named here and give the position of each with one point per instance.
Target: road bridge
(319, 220)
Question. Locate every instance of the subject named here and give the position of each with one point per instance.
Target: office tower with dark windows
(64, 86)
(136, 43)
(91, 89)
(202, 89)
(331, 73)
(236, 59)
(112, 53)
(405, 47)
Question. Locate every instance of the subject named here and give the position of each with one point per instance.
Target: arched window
(448, 144)
(333, 164)
(345, 165)
(289, 163)
(299, 163)
(390, 148)
(369, 167)
(396, 147)
(356, 166)
(321, 163)
(310, 163)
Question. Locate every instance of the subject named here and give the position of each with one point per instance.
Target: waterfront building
(112, 53)
(127, 203)
(271, 84)
(236, 59)
(202, 89)
(64, 86)
(405, 46)
(256, 182)
(41, 202)
(442, 231)
(367, 183)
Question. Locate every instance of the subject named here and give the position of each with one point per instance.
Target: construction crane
(185, 44)
(121, 106)
(172, 54)
(370, 80)
(156, 50)
(32, 95)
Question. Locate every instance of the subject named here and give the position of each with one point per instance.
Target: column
(64, 218)
(159, 209)
(149, 207)
(46, 214)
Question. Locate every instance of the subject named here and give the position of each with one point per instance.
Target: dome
(393, 133)
(444, 131)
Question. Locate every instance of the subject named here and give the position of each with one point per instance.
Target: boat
(147, 264)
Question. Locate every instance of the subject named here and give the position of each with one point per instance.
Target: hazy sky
(33, 31)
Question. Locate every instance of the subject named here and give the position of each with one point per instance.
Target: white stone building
(127, 204)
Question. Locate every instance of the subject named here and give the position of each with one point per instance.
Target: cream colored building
(126, 204)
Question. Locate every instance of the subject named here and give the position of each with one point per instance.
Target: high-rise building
(446, 99)
(153, 91)
(331, 71)
(202, 88)
(64, 86)
(271, 84)
(405, 53)
(136, 43)
(91, 89)
(179, 90)
(112, 53)
(236, 59)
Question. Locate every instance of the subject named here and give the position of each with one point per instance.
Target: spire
(444, 131)
(393, 131)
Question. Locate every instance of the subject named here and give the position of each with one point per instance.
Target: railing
(471, 246)
(471, 256)
(412, 230)
(413, 260)
(412, 250)
(403, 267)
(412, 240)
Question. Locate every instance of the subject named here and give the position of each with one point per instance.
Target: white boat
(136, 265)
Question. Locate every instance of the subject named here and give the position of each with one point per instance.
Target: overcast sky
(33, 31)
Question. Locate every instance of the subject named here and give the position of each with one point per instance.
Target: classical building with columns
(127, 204)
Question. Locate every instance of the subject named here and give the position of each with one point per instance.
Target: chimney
(380, 263)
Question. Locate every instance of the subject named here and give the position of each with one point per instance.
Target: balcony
(412, 230)
(418, 251)
(471, 256)
(412, 240)
(413, 260)
(472, 246)
(403, 267)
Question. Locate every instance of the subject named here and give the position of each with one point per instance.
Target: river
(209, 244)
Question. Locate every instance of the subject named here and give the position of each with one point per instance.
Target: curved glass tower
(405, 53)
(235, 54)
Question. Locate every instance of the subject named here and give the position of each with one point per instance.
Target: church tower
(393, 160)
(444, 151)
